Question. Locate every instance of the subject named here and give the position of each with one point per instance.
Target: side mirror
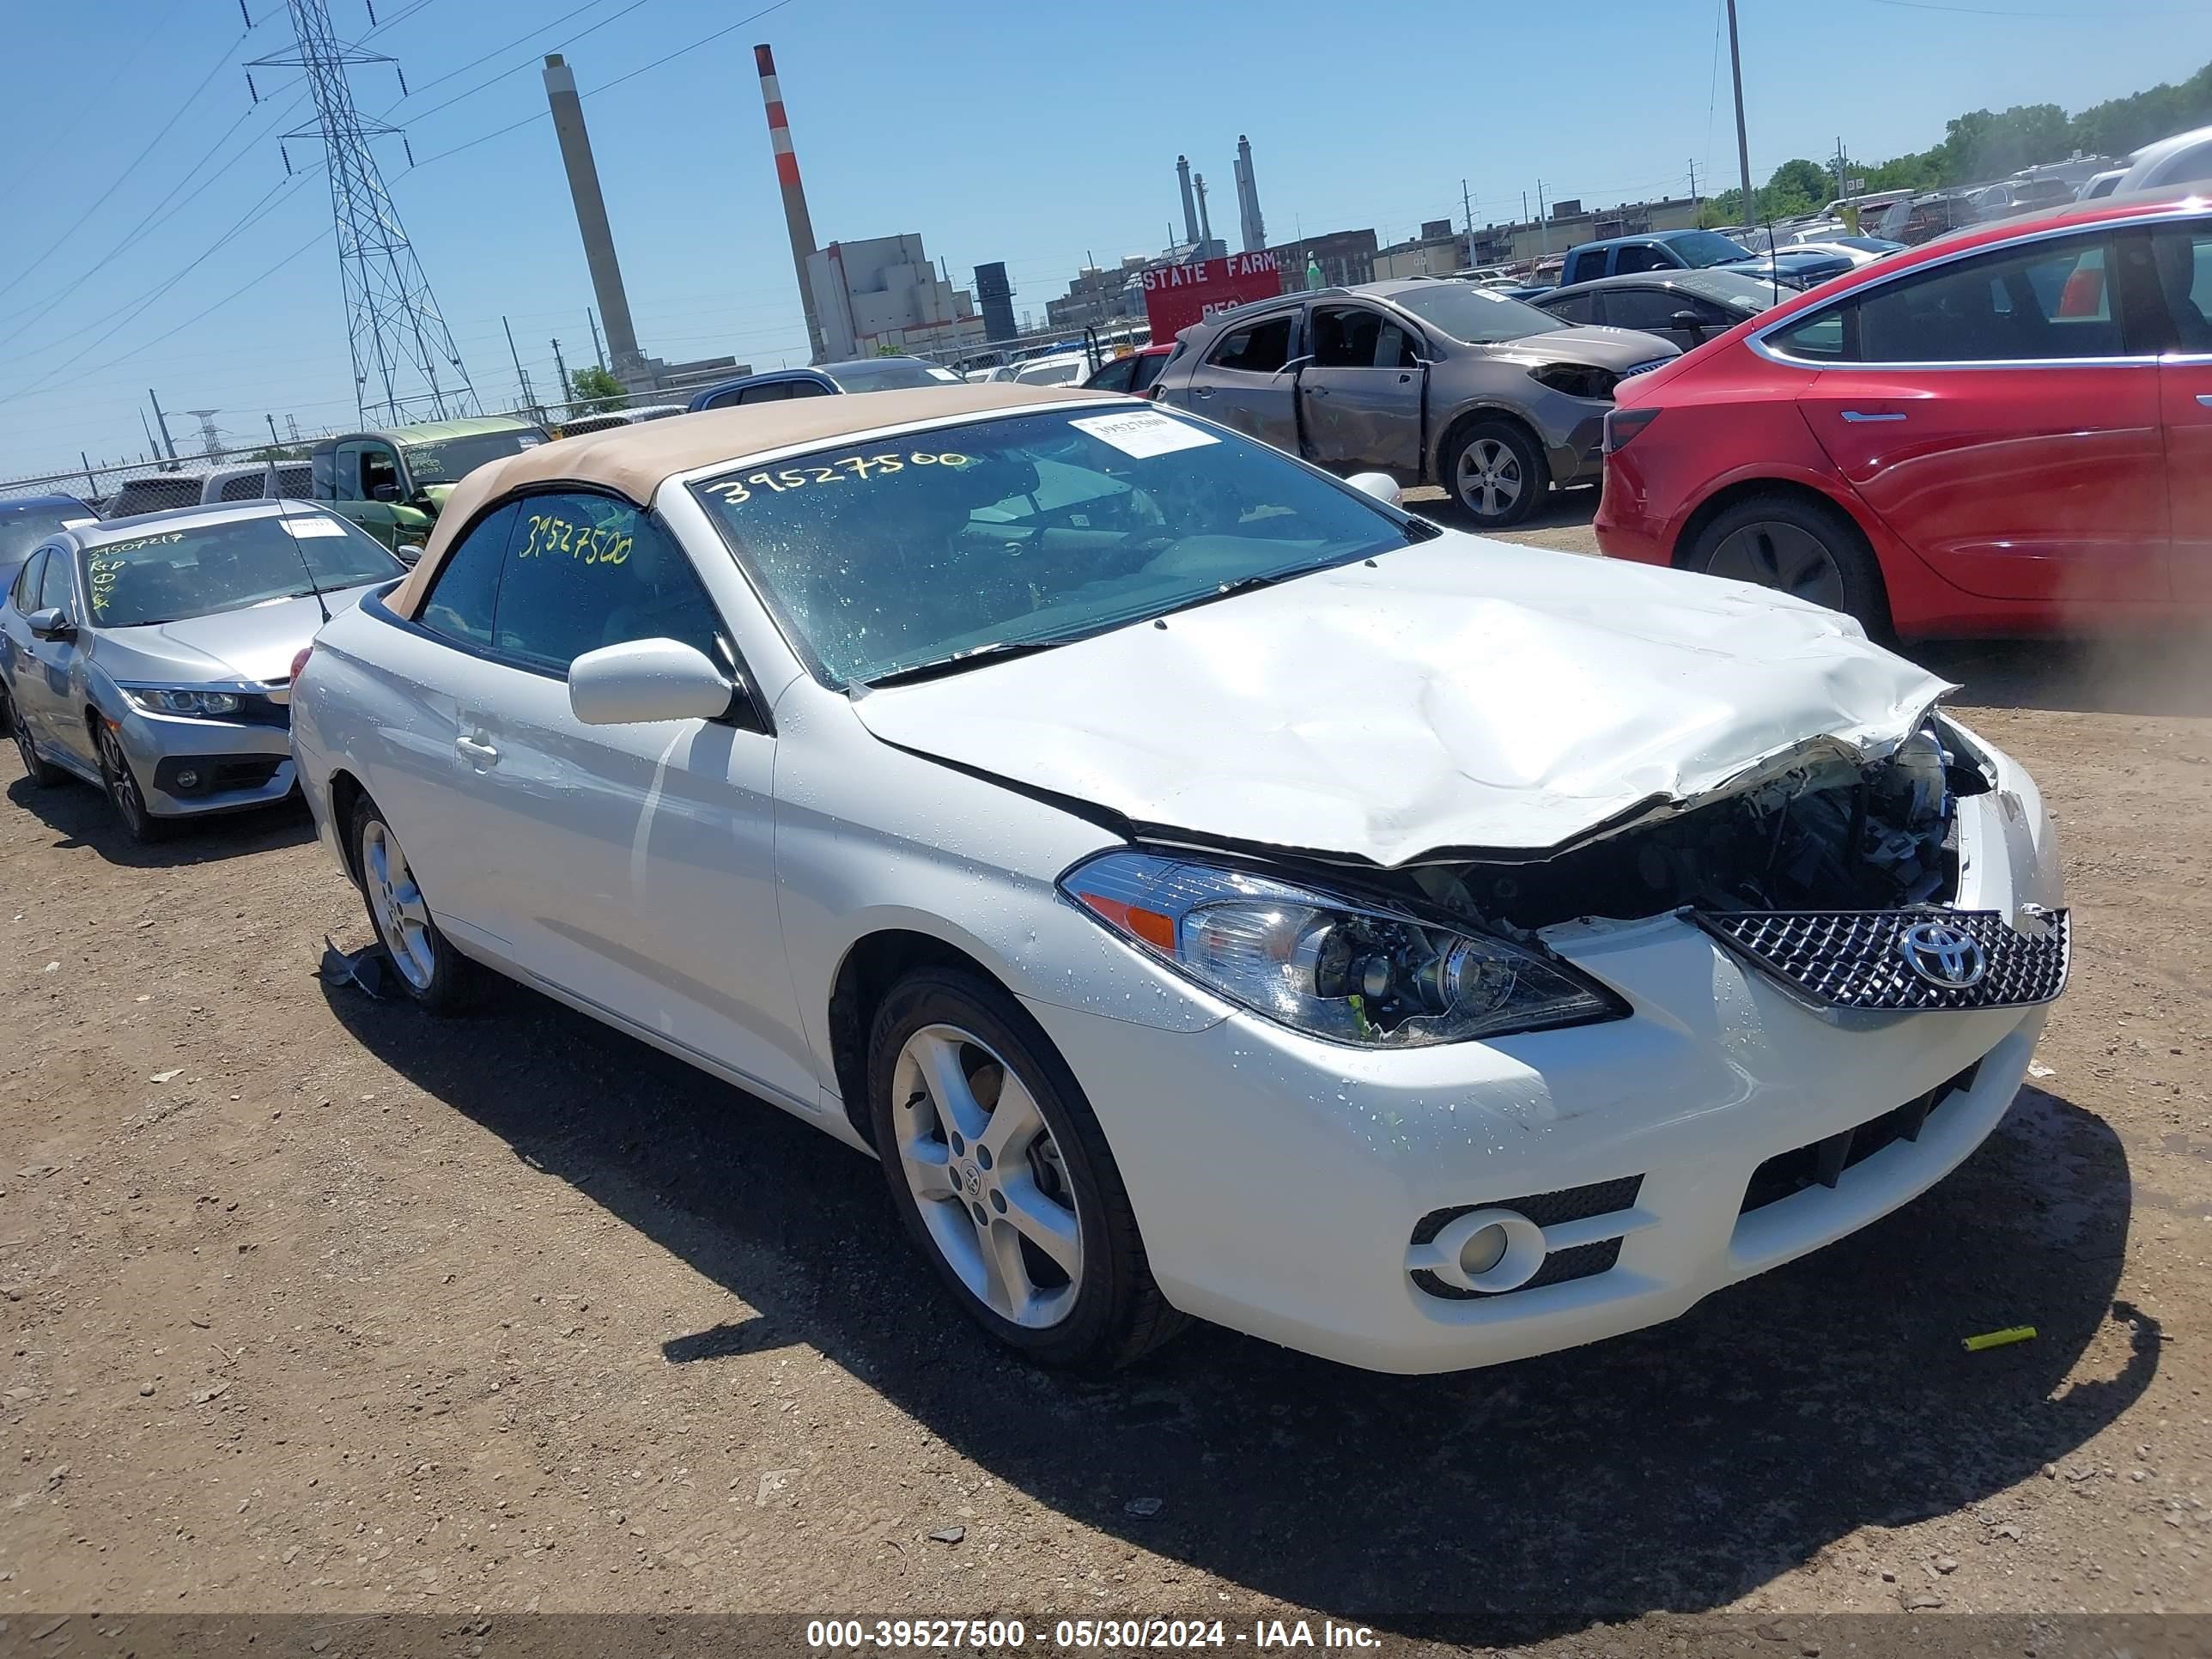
(1380, 485)
(644, 680)
(50, 623)
(408, 552)
(383, 492)
(1688, 320)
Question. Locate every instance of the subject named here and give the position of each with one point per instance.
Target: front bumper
(1293, 1189)
(188, 767)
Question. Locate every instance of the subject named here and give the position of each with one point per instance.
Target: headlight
(157, 699)
(1328, 966)
(1577, 380)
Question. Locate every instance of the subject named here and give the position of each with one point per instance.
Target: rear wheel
(1798, 546)
(122, 785)
(429, 970)
(1003, 1178)
(39, 772)
(1498, 474)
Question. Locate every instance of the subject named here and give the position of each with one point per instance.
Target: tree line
(1984, 145)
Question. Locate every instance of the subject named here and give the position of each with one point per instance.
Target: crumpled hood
(1457, 698)
(1617, 349)
(258, 643)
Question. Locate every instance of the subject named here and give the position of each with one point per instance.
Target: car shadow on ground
(82, 817)
(2149, 673)
(1672, 1470)
(1563, 510)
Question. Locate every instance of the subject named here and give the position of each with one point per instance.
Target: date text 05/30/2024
(1082, 1635)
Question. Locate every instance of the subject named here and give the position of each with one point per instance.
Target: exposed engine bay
(1831, 834)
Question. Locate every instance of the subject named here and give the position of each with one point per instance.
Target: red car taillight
(1621, 425)
(301, 661)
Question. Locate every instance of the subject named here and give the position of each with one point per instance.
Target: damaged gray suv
(1431, 381)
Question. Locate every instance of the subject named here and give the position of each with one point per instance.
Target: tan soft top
(634, 461)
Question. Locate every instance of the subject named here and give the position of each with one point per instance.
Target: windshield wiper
(975, 657)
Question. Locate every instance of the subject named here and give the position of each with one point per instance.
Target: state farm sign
(1175, 297)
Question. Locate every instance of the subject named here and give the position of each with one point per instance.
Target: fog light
(1482, 1251)
(188, 780)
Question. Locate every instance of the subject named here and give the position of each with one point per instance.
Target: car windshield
(893, 375)
(1479, 316)
(1699, 248)
(1729, 287)
(448, 461)
(891, 555)
(200, 570)
(22, 531)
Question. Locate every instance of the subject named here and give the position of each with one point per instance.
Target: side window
(27, 583)
(346, 480)
(1652, 308)
(1115, 376)
(2047, 299)
(806, 389)
(1584, 266)
(55, 586)
(2184, 258)
(463, 597)
(246, 487)
(1826, 337)
(1345, 337)
(1147, 371)
(379, 469)
(589, 570)
(774, 393)
(323, 466)
(1640, 256)
(725, 400)
(1574, 308)
(1259, 348)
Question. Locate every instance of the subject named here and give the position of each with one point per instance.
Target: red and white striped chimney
(795, 217)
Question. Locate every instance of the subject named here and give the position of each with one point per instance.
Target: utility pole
(597, 350)
(1544, 218)
(91, 483)
(1467, 211)
(567, 390)
(149, 431)
(1742, 141)
(273, 438)
(162, 421)
(292, 426)
(529, 400)
(1693, 181)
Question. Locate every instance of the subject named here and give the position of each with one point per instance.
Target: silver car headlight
(161, 700)
(1326, 965)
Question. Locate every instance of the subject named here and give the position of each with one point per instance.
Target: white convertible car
(1209, 889)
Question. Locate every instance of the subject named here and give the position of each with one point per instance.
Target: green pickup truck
(393, 483)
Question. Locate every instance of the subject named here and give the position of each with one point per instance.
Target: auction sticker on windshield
(302, 528)
(1141, 432)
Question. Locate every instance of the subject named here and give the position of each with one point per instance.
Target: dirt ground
(309, 1304)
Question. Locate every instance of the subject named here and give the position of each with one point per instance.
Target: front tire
(125, 792)
(40, 774)
(1799, 546)
(424, 964)
(1497, 474)
(1003, 1178)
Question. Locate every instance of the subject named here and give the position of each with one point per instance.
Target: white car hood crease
(1459, 697)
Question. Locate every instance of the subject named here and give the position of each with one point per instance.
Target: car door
(1359, 392)
(1654, 310)
(1245, 381)
(1996, 411)
(2183, 261)
(1115, 376)
(362, 463)
(633, 864)
(16, 659)
(51, 683)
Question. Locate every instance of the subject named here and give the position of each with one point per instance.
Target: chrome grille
(1854, 960)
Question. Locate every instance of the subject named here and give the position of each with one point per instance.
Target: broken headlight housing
(1327, 965)
(168, 699)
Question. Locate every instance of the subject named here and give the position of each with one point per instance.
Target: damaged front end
(1824, 831)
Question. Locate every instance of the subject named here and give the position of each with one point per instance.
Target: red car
(2007, 431)
(1132, 372)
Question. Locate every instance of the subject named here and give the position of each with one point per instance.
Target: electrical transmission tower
(405, 366)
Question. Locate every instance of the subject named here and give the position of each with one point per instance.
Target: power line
(98, 100)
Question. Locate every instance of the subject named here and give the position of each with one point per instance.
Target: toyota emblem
(1946, 956)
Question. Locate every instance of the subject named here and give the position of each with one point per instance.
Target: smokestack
(1255, 227)
(1190, 210)
(795, 217)
(591, 215)
(1205, 221)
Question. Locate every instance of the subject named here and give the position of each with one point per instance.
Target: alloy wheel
(1786, 556)
(122, 783)
(402, 918)
(986, 1176)
(1489, 477)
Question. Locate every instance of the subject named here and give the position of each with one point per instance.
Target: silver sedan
(153, 655)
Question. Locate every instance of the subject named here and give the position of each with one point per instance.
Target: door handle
(1201, 392)
(474, 750)
(1316, 392)
(2205, 398)
(1859, 417)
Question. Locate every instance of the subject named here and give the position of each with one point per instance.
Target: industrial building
(1346, 257)
(884, 296)
(1439, 251)
(1569, 223)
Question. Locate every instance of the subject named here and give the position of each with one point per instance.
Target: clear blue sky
(1035, 134)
